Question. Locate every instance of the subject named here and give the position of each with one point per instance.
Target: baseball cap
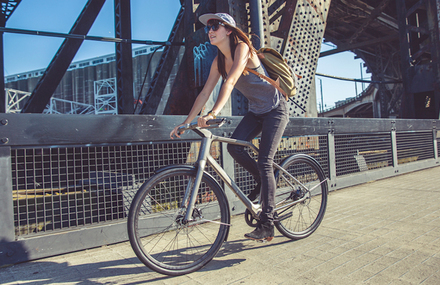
(219, 16)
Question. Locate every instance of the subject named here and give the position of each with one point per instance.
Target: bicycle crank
(250, 220)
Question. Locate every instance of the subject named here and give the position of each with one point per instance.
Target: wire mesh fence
(362, 152)
(68, 187)
(59, 188)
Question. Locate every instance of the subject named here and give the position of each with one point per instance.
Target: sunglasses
(215, 26)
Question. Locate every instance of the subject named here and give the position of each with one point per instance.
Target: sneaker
(255, 193)
(264, 231)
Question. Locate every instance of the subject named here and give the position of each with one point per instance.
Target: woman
(267, 110)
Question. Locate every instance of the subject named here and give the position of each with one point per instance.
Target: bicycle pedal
(266, 240)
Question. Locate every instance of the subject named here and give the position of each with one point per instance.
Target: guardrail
(66, 181)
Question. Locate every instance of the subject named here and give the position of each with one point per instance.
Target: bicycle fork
(192, 194)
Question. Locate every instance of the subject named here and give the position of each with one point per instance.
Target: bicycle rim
(159, 237)
(302, 219)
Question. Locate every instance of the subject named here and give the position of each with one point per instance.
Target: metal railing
(67, 182)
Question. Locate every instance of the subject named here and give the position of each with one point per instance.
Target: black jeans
(271, 125)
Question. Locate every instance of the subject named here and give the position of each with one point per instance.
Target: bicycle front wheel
(301, 219)
(158, 234)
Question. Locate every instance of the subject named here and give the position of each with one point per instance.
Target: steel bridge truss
(420, 57)
(106, 96)
(295, 28)
(15, 99)
(61, 106)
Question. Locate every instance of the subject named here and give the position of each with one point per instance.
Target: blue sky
(151, 20)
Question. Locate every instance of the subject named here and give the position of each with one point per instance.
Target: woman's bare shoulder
(242, 45)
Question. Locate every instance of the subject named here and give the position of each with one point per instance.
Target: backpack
(281, 76)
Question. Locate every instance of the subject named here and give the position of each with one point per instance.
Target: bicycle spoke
(302, 197)
(162, 239)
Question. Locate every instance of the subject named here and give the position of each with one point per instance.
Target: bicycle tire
(302, 219)
(156, 233)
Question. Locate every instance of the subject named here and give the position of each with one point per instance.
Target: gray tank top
(262, 96)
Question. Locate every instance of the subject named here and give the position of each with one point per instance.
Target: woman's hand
(175, 132)
(201, 121)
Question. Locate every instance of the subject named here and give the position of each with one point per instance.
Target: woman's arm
(201, 99)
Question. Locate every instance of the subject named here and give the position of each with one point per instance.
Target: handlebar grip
(181, 129)
(215, 121)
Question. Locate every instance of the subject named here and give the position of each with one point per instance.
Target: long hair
(235, 38)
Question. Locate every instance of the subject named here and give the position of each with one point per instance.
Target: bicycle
(190, 212)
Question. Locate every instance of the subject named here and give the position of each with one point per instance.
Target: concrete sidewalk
(382, 232)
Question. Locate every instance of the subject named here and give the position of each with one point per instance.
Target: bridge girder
(295, 28)
(7, 8)
(409, 51)
(398, 40)
(60, 63)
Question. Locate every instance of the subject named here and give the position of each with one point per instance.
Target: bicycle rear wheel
(302, 219)
(158, 235)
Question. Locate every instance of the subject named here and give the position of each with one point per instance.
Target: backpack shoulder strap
(270, 80)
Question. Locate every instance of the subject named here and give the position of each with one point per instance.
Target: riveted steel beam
(8, 7)
(163, 70)
(296, 30)
(62, 59)
(419, 51)
(124, 57)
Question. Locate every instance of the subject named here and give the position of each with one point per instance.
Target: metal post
(11, 251)
(355, 89)
(256, 17)
(433, 13)
(322, 96)
(7, 233)
(331, 155)
(8, 7)
(407, 107)
(394, 148)
(3, 103)
(124, 58)
(362, 77)
(434, 138)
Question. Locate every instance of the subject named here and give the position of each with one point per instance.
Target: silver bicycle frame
(205, 157)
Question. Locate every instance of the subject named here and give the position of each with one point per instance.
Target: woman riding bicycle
(267, 114)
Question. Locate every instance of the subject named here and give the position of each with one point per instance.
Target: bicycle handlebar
(214, 123)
